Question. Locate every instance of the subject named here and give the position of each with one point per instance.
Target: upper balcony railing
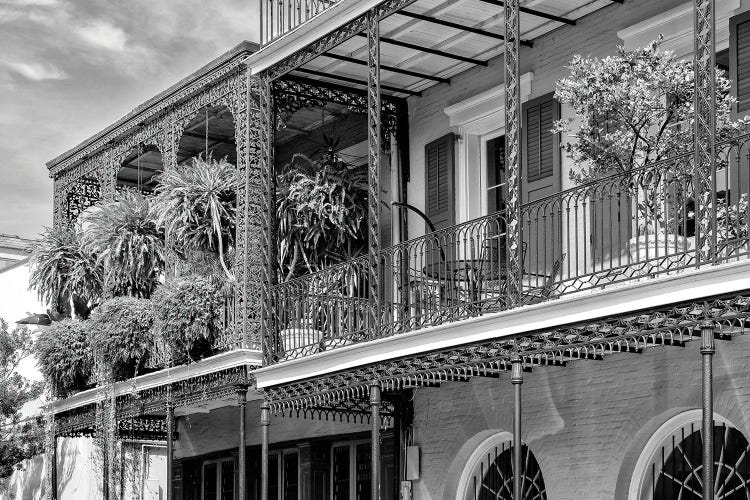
(627, 226)
(279, 17)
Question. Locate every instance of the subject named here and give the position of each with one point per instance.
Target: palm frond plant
(120, 334)
(195, 206)
(321, 206)
(66, 277)
(188, 314)
(124, 237)
(64, 356)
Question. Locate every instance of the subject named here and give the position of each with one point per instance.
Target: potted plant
(64, 356)
(122, 233)
(120, 335)
(633, 110)
(66, 277)
(195, 206)
(188, 315)
(321, 209)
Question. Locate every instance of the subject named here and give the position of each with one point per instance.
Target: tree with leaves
(20, 438)
(634, 109)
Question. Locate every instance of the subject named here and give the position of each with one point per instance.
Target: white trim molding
(471, 119)
(676, 25)
(646, 293)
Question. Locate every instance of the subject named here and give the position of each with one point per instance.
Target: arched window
(674, 470)
(489, 472)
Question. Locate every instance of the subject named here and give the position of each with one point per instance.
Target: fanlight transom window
(493, 475)
(676, 469)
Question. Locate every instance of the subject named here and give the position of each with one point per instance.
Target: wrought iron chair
(546, 291)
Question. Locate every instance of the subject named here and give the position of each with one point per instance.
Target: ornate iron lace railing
(627, 226)
(279, 17)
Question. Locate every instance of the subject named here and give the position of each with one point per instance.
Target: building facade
(505, 332)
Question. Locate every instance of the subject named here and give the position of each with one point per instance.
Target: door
(541, 223)
(218, 480)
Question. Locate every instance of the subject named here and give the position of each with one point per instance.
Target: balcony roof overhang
(422, 42)
(249, 358)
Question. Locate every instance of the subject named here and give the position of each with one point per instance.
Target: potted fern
(321, 208)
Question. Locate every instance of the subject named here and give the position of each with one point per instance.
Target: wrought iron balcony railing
(630, 225)
(279, 17)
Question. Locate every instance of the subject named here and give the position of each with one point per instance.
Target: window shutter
(539, 116)
(739, 60)
(439, 167)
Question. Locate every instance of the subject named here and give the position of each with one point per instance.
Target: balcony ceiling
(424, 23)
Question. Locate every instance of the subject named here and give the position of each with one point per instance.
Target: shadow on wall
(27, 483)
(74, 468)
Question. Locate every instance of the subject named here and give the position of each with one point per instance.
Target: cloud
(104, 34)
(36, 71)
(30, 3)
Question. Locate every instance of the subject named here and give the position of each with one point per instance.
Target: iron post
(170, 450)
(705, 129)
(242, 452)
(375, 402)
(265, 422)
(373, 163)
(707, 352)
(516, 378)
(513, 147)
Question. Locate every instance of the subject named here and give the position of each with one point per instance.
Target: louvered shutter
(540, 147)
(439, 167)
(739, 60)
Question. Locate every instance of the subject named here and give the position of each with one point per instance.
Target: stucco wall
(586, 423)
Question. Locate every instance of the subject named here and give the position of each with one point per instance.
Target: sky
(69, 68)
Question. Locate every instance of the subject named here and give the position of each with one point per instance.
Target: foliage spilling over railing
(627, 226)
(279, 17)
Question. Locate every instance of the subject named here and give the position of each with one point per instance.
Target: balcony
(279, 17)
(626, 227)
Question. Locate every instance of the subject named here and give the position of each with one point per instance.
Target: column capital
(516, 372)
(708, 345)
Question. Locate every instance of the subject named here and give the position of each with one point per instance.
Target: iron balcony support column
(265, 422)
(268, 209)
(242, 452)
(516, 378)
(705, 129)
(513, 147)
(373, 164)
(170, 450)
(375, 402)
(707, 352)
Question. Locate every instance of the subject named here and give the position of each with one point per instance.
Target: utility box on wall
(412, 463)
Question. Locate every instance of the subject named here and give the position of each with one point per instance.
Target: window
(675, 469)
(283, 475)
(496, 179)
(350, 466)
(218, 480)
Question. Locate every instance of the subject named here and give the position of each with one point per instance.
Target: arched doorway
(671, 465)
(488, 474)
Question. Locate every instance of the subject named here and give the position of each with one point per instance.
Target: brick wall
(586, 423)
